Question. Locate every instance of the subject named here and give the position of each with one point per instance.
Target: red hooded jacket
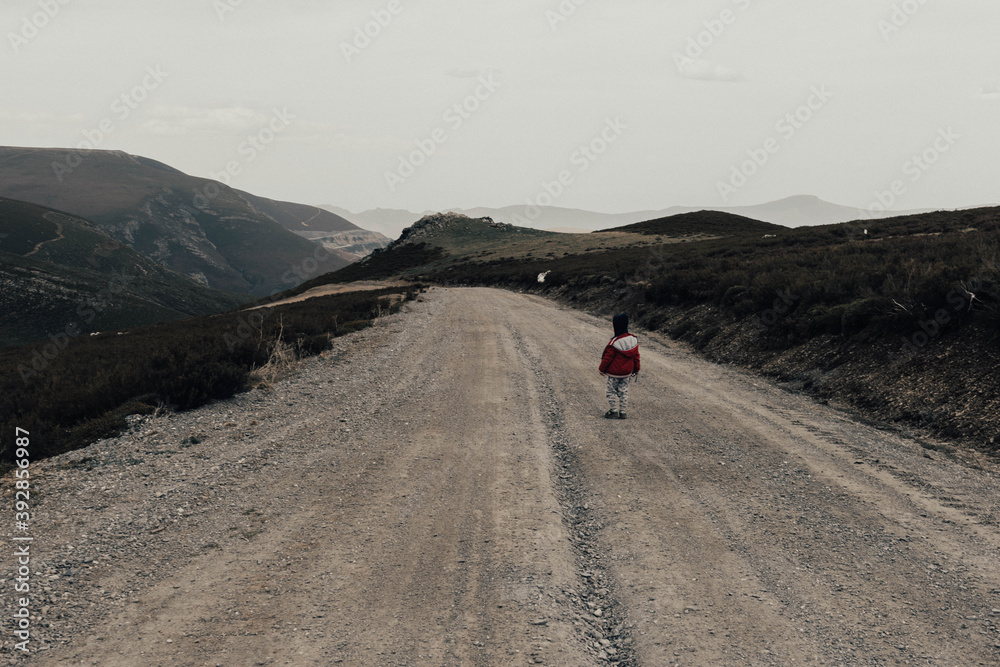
(621, 356)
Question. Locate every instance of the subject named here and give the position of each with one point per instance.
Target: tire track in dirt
(443, 490)
(415, 522)
(602, 615)
(742, 530)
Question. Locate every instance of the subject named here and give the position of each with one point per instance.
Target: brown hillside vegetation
(70, 391)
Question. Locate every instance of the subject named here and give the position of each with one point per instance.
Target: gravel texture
(441, 489)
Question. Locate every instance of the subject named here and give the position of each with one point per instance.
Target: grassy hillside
(450, 244)
(703, 223)
(442, 241)
(61, 273)
(71, 392)
(193, 226)
(901, 322)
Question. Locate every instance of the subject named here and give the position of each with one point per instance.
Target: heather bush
(88, 388)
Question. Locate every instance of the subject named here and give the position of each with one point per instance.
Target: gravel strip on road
(441, 489)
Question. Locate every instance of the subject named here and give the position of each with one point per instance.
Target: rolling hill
(797, 211)
(453, 242)
(220, 237)
(443, 240)
(335, 233)
(301, 217)
(704, 223)
(900, 323)
(386, 221)
(62, 275)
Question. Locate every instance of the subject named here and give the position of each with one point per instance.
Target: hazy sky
(462, 104)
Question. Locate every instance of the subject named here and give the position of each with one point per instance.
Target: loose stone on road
(442, 489)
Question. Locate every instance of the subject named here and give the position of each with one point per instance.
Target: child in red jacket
(620, 363)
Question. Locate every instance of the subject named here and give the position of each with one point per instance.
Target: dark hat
(620, 322)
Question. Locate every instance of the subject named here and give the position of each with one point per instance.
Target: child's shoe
(621, 415)
(611, 414)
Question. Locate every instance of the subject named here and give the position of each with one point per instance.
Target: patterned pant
(617, 390)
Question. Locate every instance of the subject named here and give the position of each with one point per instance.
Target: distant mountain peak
(805, 199)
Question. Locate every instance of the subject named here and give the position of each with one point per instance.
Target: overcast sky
(825, 97)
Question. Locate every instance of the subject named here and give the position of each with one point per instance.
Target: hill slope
(200, 228)
(452, 242)
(796, 211)
(341, 237)
(301, 217)
(707, 223)
(59, 271)
(388, 222)
(901, 322)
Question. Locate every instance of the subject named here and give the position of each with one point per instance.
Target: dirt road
(326, 290)
(444, 491)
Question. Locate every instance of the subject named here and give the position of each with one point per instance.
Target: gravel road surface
(441, 489)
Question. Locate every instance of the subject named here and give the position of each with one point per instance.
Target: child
(620, 364)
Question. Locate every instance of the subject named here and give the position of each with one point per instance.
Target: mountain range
(332, 231)
(798, 211)
(104, 240)
(220, 237)
(62, 276)
(74, 222)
